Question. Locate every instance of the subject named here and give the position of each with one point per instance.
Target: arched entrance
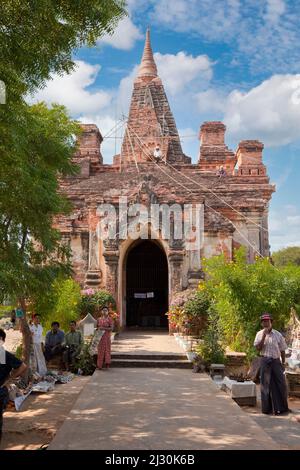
(146, 285)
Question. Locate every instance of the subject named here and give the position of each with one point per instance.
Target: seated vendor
(294, 358)
(10, 368)
(72, 346)
(54, 341)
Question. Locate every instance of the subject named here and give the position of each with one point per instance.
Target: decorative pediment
(144, 194)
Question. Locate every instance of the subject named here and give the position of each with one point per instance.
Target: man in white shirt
(157, 154)
(37, 359)
(271, 345)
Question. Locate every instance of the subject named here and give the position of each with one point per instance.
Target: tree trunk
(26, 339)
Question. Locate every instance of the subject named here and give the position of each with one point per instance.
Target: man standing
(53, 342)
(10, 368)
(73, 345)
(37, 357)
(271, 345)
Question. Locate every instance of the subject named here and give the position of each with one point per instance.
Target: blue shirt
(53, 339)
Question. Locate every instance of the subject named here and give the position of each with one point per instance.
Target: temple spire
(147, 67)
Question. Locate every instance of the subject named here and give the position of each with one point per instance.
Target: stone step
(92, 281)
(92, 277)
(170, 364)
(162, 356)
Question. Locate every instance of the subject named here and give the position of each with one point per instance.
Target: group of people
(69, 345)
(56, 343)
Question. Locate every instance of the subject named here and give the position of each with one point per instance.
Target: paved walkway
(145, 342)
(131, 408)
(175, 409)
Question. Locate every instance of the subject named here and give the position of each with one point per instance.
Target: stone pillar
(175, 265)
(112, 260)
(254, 234)
(265, 245)
(249, 158)
(85, 248)
(79, 243)
(94, 252)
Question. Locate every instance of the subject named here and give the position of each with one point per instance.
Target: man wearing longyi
(271, 345)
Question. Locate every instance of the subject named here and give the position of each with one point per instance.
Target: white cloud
(211, 101)
(284, 227)
(125, 91)
(262, 35)
(212, 19)
(177, 71)
(72, 90)
(294, 220)
(270, 111)
(124, 36)
(275, 8)
(189, 142)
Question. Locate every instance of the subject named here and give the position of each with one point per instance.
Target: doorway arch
(147, 281)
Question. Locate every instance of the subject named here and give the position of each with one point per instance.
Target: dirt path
(40, 417)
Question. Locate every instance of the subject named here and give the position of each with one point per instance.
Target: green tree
(287, 256)
(241, 292)
(196, 311)
(31, 255)
(61, 303)
(211, 349)
(37, 38)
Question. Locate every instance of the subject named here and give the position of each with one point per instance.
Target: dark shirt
(11, 363)
(74, 338)
(53, 339)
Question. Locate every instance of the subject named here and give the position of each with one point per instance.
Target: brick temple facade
(144, 275)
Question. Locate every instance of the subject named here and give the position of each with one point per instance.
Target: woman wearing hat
(271, 345)
(105, 324)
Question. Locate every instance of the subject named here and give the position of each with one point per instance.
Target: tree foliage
(61, 303)
(241, 292)
(290, 255)
(37, 39)
(211, 349)
(30, 251)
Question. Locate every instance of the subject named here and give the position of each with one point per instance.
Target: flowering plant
(116, 319)
(93, 301)
(88, 292)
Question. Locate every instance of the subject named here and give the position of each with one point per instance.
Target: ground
(40, 417)
(154, 399)
(285, 430)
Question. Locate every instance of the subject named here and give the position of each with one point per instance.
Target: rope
(207, 205)
(136, 164)
(214, 194)
(115, 127)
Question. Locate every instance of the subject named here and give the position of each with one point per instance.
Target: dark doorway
(146, 286)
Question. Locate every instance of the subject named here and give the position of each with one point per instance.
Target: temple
(143, 273)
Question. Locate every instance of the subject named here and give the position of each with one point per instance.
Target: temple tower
(151, 123)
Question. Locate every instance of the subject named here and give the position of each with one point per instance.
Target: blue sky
(232, 60)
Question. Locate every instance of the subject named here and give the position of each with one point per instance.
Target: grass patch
(5, 310)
